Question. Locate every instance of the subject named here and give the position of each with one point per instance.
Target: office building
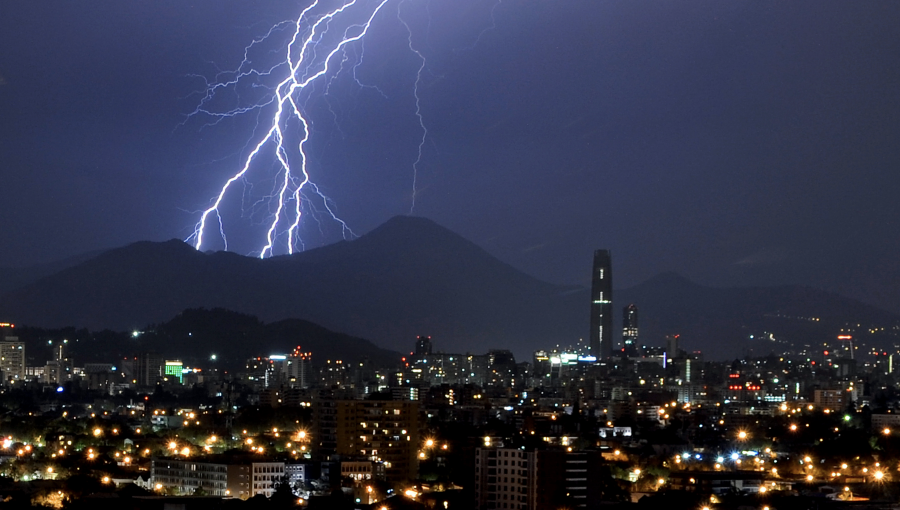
(188, 476)
(173, 371)
(266, 476)
(601, 306)
(148, 368)
(630, 330)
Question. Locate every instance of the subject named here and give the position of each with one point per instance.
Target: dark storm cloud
(737, 143)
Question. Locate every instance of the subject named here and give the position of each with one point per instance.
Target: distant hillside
(410, 277)
(720, 321)
(196, 334)
(12, 278)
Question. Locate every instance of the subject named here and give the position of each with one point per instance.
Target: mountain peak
(173, 246)
(408, 276)
(415, 228)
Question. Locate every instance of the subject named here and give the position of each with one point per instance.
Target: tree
(284, 492)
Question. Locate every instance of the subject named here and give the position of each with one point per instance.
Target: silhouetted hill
(411, 276)
(196, 334)
(408, 277)
(721, 321)
(14, 277)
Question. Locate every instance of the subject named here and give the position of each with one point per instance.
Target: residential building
(832, 399)
(535, 479)
(386, 432)
(236, 478)
(505, 478)
(12, 359)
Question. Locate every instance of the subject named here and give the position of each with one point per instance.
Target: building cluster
(607, 419)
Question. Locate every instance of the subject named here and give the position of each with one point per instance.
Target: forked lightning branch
(320, 42)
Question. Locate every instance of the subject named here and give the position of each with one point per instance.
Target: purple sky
(737, 143)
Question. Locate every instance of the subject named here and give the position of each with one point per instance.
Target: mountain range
(412, 277)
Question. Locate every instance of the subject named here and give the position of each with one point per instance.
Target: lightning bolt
(317, 47)
(419, 117)
(309, 57)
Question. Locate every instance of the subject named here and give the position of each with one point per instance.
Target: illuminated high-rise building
(12, 354)
(299, 369)
(12, 359)
(385, 432)
(601, 306)
(630, 330)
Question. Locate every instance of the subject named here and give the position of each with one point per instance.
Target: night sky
(734, 142)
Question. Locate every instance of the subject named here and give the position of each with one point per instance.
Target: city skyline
(358, 254)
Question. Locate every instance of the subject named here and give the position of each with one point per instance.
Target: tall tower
(630, 330)
(601, 306)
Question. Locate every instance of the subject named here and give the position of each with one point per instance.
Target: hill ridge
(407, 277)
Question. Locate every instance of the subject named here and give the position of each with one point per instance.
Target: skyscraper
(601, 306)
(630, 330)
